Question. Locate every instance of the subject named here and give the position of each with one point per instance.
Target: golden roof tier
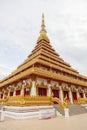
(44, 61)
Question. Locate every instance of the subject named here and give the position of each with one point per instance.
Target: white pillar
(61, 94)
(84, 96)
(33, 89)
(22, 90)
(70, 96)
(3, 95)
(14, 93)
(66, 111)
(78, 95)
(2, 114)
(49, 90)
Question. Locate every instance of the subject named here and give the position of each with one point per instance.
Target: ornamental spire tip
(43, 35)
(43, 25)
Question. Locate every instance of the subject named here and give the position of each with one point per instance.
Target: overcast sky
(66, 25)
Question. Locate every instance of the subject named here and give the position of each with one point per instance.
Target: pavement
(77, 122)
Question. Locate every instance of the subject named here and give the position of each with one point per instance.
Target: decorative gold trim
(62, 105)
(55, 88)
(41, 85)
(28, 85)
(26, 101)
(65, 89)
(33, 78)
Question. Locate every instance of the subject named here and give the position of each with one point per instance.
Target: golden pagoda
(44, 74)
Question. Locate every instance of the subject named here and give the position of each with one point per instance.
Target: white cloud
(5, 70)
(66, 24)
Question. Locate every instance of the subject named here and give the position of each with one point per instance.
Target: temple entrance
(17, 92)
(55, 93)
(42, 92)
(81, 95)
(11, 93)
(26, 91)
(74, 94)
(66, 94)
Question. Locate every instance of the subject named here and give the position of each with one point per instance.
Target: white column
(14, 93)
(61, 94)
(49, 90)
(66, 111)
(22, 90)
(84, 96)
(33, 89)
(3, 95)
(78, 95)
(70, 96)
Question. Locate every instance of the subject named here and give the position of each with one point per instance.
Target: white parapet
(29, 112)
(46, 114)
(66, 111)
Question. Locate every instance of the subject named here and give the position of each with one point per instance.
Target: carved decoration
(80, 90)
(60, 83)
(33, 78)
(49, 81)
(73, 89)
(28, 85)
(18, 87)
(42, 85)
(55, 87)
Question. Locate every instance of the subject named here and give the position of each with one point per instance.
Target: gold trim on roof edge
(45, 73)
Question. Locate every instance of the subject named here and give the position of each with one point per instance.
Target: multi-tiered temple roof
(45, 62)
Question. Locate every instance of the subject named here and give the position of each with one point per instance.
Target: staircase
(58, 108)
(75, 109)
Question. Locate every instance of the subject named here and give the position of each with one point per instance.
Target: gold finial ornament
(43, 25)
(43, 35)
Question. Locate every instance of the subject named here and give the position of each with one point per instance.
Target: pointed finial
(43, 16)
(43, 35)
(43, 25)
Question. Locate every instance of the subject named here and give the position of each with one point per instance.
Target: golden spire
(43, 25)
(43, 32)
